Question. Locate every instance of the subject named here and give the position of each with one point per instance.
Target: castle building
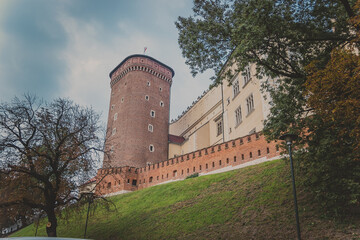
(219, 132)
(228, 111)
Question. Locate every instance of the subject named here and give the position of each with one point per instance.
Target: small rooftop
(176, 139)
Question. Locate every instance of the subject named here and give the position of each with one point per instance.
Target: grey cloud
(30, 57)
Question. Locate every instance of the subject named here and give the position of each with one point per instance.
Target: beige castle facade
(228, 111)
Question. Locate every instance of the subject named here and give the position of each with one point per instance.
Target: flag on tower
(145, 49)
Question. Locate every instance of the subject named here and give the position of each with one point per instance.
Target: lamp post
(89, 196)
(289, 138)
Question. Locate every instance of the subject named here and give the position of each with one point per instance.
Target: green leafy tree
(46, 151)
(282, 38)
(332, 160)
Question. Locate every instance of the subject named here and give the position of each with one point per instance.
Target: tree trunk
(52, 223)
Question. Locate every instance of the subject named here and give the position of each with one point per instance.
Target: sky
(67, 48)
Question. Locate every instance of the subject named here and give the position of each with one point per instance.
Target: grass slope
(250, 203)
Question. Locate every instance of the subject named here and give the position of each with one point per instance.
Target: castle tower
(138, 120)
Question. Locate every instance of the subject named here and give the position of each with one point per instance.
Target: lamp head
(289, 138)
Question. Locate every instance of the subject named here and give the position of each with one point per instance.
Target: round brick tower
(138, 121)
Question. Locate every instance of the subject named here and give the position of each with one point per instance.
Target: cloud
(67, 48)
(29, 57)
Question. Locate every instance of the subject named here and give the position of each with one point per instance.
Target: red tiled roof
(176, 139)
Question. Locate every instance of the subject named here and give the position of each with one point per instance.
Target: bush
(192, 176)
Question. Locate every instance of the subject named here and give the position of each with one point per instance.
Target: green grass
(250, 203)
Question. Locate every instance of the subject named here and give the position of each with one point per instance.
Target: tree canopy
(280, 36)
(46, 151)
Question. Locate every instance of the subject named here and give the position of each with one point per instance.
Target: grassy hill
(250, 203)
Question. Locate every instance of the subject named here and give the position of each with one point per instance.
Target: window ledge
(237, 94)
(251, 111)
(246, 83)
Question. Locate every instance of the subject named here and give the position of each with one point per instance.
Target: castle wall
(116, 179)
(222, 156)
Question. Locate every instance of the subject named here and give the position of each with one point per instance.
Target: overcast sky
(67, 48)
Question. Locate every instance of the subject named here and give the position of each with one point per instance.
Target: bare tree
(46, 151)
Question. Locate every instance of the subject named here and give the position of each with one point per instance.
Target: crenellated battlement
(221, 157)
(142, 63)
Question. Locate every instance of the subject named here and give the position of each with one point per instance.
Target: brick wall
(232, 153)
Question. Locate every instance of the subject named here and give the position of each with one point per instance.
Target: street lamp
(89, 196)
(289, 138)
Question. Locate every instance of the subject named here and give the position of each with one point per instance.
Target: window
(160, 89)
(150, 128)
(122, 100)
(236, 88)
(219, 128)
(113, 131)
(112, 107)
(246, 75)
(150, 179)
(250, 104)
(161, 103)
(146, 97)
(175, 173)
(134, 182)
(206, 166)
(238, 116)
(151, 148)
(115, 116)
(152, 113)
(148, 83)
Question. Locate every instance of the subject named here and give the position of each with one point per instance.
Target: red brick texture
(139, 86)
(232, 153)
